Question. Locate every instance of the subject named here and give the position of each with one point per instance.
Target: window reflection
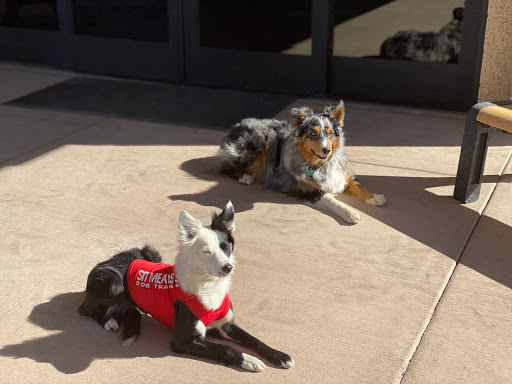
(125, 19)
(256, 25)
(40, 14)
(413, 30)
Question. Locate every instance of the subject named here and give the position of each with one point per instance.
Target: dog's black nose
(326, 151)
(227, 268)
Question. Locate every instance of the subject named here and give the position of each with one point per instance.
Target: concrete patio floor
(420, 291)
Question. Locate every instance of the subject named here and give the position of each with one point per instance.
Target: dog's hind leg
(131, 319)
(113, 316)
(354, 188)
(104, 287)
(246, 178)
(328, 202)
(102, 312)
(242, 153)
(252, 171)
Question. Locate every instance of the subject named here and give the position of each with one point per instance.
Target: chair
(481, 121)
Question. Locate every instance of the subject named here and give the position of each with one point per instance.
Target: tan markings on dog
(256, 167)
(334, 145)
(316, 130)
(354, 188)
(338, 114)
(328, 131)
(305, 151)
(305, 146)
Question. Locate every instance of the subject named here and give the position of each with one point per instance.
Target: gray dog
(440, 47)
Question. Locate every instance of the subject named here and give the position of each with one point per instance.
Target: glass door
(258, 44)
(132, 38)
(391, 51)
(408, 51)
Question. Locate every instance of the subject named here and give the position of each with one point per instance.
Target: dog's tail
(148, 253)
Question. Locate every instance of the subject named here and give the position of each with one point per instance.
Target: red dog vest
(155, 288)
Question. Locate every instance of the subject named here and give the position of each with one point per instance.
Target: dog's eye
(224, 246)
(314, 134)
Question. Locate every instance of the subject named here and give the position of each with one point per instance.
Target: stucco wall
(496, 75)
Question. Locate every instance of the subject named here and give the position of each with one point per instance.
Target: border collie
(191, 296)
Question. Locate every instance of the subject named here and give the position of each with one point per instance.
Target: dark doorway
(320, 47)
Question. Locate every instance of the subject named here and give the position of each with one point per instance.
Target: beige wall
(496, 76)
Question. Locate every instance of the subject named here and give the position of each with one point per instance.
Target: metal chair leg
(472, 156)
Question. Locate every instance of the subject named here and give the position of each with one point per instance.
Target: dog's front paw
(281, 360)
(111, 325)
(251, 363)
(377, 201)
(246, 179)
(352, 216)
(287, 363)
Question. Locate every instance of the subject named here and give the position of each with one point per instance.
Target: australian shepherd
(441, 47)
(305, 159)
(191, 296)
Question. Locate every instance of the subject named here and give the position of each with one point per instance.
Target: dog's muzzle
(324, 150)
(227, 269)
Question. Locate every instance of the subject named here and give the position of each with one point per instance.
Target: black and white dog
(190, 296)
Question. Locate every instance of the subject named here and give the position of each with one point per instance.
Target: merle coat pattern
(441, 47)
(305, 159)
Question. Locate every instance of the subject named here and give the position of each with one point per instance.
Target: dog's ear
(458, 14)
(226, 220)
(189, 227)
(299, 115)
(337, 113)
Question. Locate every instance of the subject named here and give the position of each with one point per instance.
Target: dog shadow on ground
(76, 341)
(420, 207)
(79, 340)
(242, 196)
